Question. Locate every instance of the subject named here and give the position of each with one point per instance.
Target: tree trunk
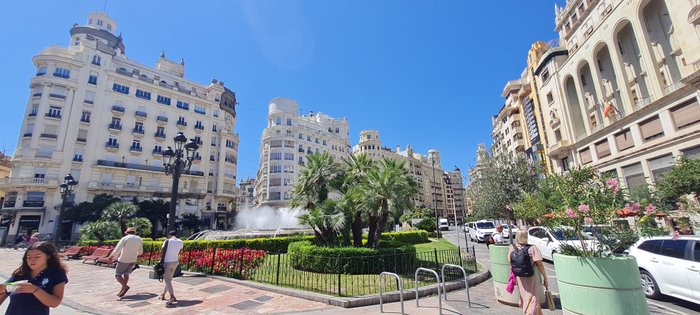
(357, 229)
(380, 227)
(372, 231)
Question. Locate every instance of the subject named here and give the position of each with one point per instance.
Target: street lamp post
(176, 162)
(66, 187)
(437, 221)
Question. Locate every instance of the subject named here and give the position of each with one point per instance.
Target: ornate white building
(286, 141)
(106, 119)
(621, 91)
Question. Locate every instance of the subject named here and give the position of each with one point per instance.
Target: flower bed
(236, 263)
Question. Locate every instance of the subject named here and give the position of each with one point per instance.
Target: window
(116, 121)
(61, 73)
(674, 248)
(198, 125)
(138, 127)
(163, 100)
(82, 135)
(301, 137)
(686, 114)
(602, 148)
(54, 112)
(275, 195)
(651, 129)
(112, 142)
(308, 138)
(276, 143)
(550, 98)
(275, 168)
(92, 79)
(116, 87)
(136, 144)
(289, 121)
(180, 104)
(278, 121)
(143, 94)
(89, 97)
(78, 156)
(634, 177)
(624, 140)
(337, 130)
(660, 166)
(275, 156)
(41, 71)
(85, 117)
(181, 121)
(585, 156)
(545, 75)
(289, 156)
(652, 246)
(96, 60)
(200, 110)
(692, 153)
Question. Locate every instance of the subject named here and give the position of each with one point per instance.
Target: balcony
(43, 156)
(112, 145)
(123, 71)
(58, 96)
(118, 109)
(198, 127)
(160, 135)
(162, 119)
(27, 134)
(135, 149)
(142, 167)
(181, 123)
(85, 120)
(28, 181)
(141, 114)
(53, 115)
(33, 203)
(81, 140)
(158, 151)
(49, 136)
(32, 114)
(78, 159)
(9, 204)
(114, 126)
(137, 131)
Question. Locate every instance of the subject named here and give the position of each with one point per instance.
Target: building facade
(436, 189)
(246, 194)
(105, 119)
(287, 140)
(620, 92)
(508, 131)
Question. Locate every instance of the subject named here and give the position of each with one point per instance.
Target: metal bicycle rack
(466, 283)
(437, 277)
(398, 281)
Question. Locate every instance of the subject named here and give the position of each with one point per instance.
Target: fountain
(259, 222)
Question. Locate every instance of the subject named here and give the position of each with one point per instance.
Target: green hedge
(390, 256)
(408, 237)
(273, 244)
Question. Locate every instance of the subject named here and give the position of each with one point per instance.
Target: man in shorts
(127, 251)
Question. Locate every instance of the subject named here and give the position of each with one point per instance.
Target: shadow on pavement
(138, 297)
(184, 303)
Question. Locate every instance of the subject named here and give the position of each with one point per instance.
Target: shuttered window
(634, 177)
(624, 140)
(585, 156)
(602, 148)
(686, 114)
(651, 129)
(660, 166)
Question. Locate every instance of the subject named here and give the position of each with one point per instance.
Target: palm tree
(356, 168)
(120, 212)
(388, 190)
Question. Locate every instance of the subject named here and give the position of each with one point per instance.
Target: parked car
(549, 241)
(444, 224)
(509, 230)
(479, 231)
(669, 267)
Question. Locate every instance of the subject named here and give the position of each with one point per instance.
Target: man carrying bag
(168, 264)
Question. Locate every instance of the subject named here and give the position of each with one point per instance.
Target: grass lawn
(440, 244)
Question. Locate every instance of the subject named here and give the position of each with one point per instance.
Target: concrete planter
(500, 272)
(607, 285)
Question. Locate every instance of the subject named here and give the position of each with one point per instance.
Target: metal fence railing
(340, 276)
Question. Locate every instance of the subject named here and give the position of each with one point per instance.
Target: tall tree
(120, 212)
(155, 211)
(499, 182)
(355, 169)
(684, 178)
(388, 191)
(90, 211)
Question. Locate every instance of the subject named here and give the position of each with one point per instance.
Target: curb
(366, 300)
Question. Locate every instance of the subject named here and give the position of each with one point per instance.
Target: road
(668, 305)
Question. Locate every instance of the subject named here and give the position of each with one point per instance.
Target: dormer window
(109, 27)
(96, 60)
(99, 22)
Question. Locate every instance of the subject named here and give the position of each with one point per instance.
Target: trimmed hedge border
(390, 256)
(272, 244)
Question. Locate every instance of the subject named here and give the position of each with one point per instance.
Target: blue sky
(424, 73)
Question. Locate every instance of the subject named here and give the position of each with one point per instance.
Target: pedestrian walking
(170, 252)
(127, 251)
(33, 239)
(523, 258)
(21, 240)
(37, 284)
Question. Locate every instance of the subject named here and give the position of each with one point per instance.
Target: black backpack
(520, 262)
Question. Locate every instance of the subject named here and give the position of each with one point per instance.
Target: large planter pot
(607, 285)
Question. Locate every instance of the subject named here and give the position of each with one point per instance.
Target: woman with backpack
(523, 258)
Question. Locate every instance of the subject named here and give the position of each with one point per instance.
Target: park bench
(99, 253)
(71, 252)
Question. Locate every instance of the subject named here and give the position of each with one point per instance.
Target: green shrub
(390, 256)
(273, 244)
(408, 237)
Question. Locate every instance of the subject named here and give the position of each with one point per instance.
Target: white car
(444, 224)
(669, 267)
(479, 231)
(549, 241)
(509, 230)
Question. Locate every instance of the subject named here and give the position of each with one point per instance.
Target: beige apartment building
(620, 92)
(105, 119)
(287, 140)
(246, 194)
(437, 189)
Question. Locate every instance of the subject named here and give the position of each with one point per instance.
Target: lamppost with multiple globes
(66, 187)
(437, 219)
(177, 162)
